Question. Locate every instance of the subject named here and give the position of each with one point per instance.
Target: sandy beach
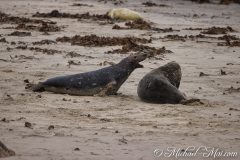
(47, 126)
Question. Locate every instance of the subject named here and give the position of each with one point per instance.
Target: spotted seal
(161, 85)
(105, 81)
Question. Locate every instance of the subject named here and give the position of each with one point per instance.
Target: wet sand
(121, 126)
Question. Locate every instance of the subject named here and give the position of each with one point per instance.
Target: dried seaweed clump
(43, 42)
(57, 14)
(43, 27)
(38, 49)
(201, 1)
(152, 4)
(218, 30)
(20, 34)
(94, 40)
(142, 25)
(230, 43)
(139, 24)
(27, 23)
(229, 1)
(5, 18)
(81, 5)
(230, 40)
(133, 47)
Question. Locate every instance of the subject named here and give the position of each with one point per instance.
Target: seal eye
(135, 57)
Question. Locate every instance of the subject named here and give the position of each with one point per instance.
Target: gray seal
(161, 85)
(105, 81)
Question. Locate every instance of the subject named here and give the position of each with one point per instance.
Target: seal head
(171, 71)
(132, 62)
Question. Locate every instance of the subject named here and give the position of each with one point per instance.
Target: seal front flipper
(170, 93)
(109, 89)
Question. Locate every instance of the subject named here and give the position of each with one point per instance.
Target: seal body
(161, 85)
(105, 81)
(124, 14)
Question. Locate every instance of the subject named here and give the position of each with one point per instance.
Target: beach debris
(142, 25)
(20, 34)
(28, 125)
(81, 5)
(72, 62)
(45, 41)
(233, 90)
(87, 15)
(51, 127)
(42, 27)
(201, 74)
(218, 30)
(123, 140)
(3, 40)
(152, 4)
(5, 18)
(94, 40)
(133, 47)
(222, 72)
